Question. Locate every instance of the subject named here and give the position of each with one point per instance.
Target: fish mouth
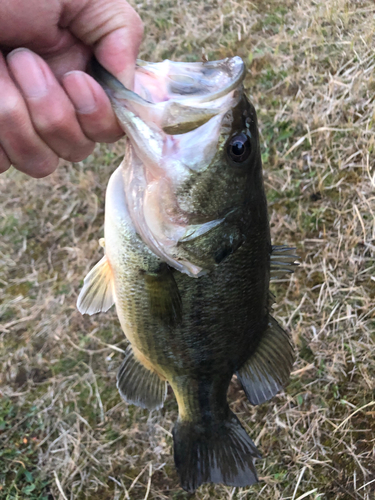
(177, 97)
(173, 121)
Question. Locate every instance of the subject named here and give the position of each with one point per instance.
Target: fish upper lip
(171, 111)
(233, 67)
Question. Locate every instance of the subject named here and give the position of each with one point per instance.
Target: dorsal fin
(283, 261)
(97, 293)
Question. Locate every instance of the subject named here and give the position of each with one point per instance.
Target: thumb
(113, 29)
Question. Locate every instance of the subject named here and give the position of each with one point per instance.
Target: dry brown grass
(64, 432)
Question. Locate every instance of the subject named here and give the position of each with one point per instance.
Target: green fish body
(188, 260)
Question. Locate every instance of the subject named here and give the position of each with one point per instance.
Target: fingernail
(77, 85)
(28, 72)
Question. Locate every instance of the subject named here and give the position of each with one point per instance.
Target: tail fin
(219, 452)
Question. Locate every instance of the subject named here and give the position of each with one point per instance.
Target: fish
(188, 260)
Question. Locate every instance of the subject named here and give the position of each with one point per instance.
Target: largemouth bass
(188, 260)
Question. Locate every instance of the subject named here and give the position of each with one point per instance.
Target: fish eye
(239, 148)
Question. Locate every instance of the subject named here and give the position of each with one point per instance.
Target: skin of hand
(49, 107)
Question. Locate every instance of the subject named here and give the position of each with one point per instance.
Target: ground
(64, 431)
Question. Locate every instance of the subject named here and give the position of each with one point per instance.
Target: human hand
(50, 108)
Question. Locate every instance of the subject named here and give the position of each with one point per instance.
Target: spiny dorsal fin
(163, 294)
(268, 369)
(282, 261)
(138, 385)
(97, 292)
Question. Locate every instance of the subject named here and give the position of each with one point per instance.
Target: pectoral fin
(164, 296)
(209, 244)
(97, 293)
(139, 385)
(268, 369)
(195, 231)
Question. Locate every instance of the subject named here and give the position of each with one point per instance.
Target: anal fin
(139, 385)
(268, 368)
(97, 293)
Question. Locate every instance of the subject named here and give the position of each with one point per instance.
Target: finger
(23, 147)
(71, 55)
(4, 161)
(94, 111)
(51, 110)
(114, 29)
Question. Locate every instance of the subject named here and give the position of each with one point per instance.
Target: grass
(64, 432)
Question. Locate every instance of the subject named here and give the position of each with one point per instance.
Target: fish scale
(188, 261)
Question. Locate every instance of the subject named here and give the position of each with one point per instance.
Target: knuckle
(12, 110)
(60, 130)
(54, 120)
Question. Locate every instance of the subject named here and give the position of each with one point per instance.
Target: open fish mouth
(174, 121)
(177, 97)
